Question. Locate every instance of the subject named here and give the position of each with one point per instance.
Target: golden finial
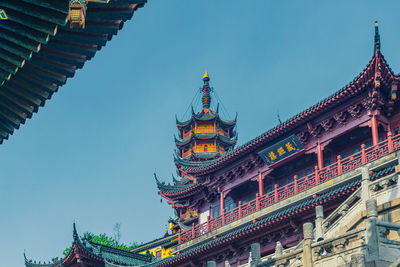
(205, 75)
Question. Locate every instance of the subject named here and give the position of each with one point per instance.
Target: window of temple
(229, 204)
(215, 211)
(327, 162)
(348, 144)
(205, 148)
(300, 166)
(244, 192)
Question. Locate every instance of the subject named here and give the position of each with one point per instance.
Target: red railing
(366, 155)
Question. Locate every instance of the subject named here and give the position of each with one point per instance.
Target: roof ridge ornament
(377, 41)
(75, 233)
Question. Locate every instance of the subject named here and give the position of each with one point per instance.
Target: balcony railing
(392, 143)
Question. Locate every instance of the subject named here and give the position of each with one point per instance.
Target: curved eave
(205, 137)
(227, 123)
(228, 141)
(358, 85)
(205, 116)
(180, 162)
(183, 142)
(176, 195)
(205, 155)
(183, 124)
(175, 190)
(167, 190)
(39, 51)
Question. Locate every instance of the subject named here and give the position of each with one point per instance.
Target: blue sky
(90, 153)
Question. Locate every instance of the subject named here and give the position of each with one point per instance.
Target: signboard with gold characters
(281, 150)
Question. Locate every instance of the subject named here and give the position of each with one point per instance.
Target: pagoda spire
(206, 99)
(377, 42)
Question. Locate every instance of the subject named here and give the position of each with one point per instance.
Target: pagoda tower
(205, 136)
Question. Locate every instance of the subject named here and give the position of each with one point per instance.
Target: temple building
(205, 136)
(320, 189)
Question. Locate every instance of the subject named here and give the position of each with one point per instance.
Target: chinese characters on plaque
(281, 150)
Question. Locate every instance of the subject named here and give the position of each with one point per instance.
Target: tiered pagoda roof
(205, 129)
(220, 132)
(86, 250)
(39, 50)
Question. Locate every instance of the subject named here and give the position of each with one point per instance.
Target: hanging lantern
(77, 13)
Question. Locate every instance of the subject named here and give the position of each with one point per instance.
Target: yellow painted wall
(200, 147)
(205, 128)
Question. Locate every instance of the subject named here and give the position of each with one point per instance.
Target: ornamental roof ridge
(127, 253)
(31, 263)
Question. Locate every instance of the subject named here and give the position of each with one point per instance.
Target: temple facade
(262, 193)
(320, 189)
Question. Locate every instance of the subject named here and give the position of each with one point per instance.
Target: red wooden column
(276, 192)
(320, 156)
(374, 128)
(260, 184)
(363, 154)
(193, 231)
(222, 206)
(390, 141)
(316, 175)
